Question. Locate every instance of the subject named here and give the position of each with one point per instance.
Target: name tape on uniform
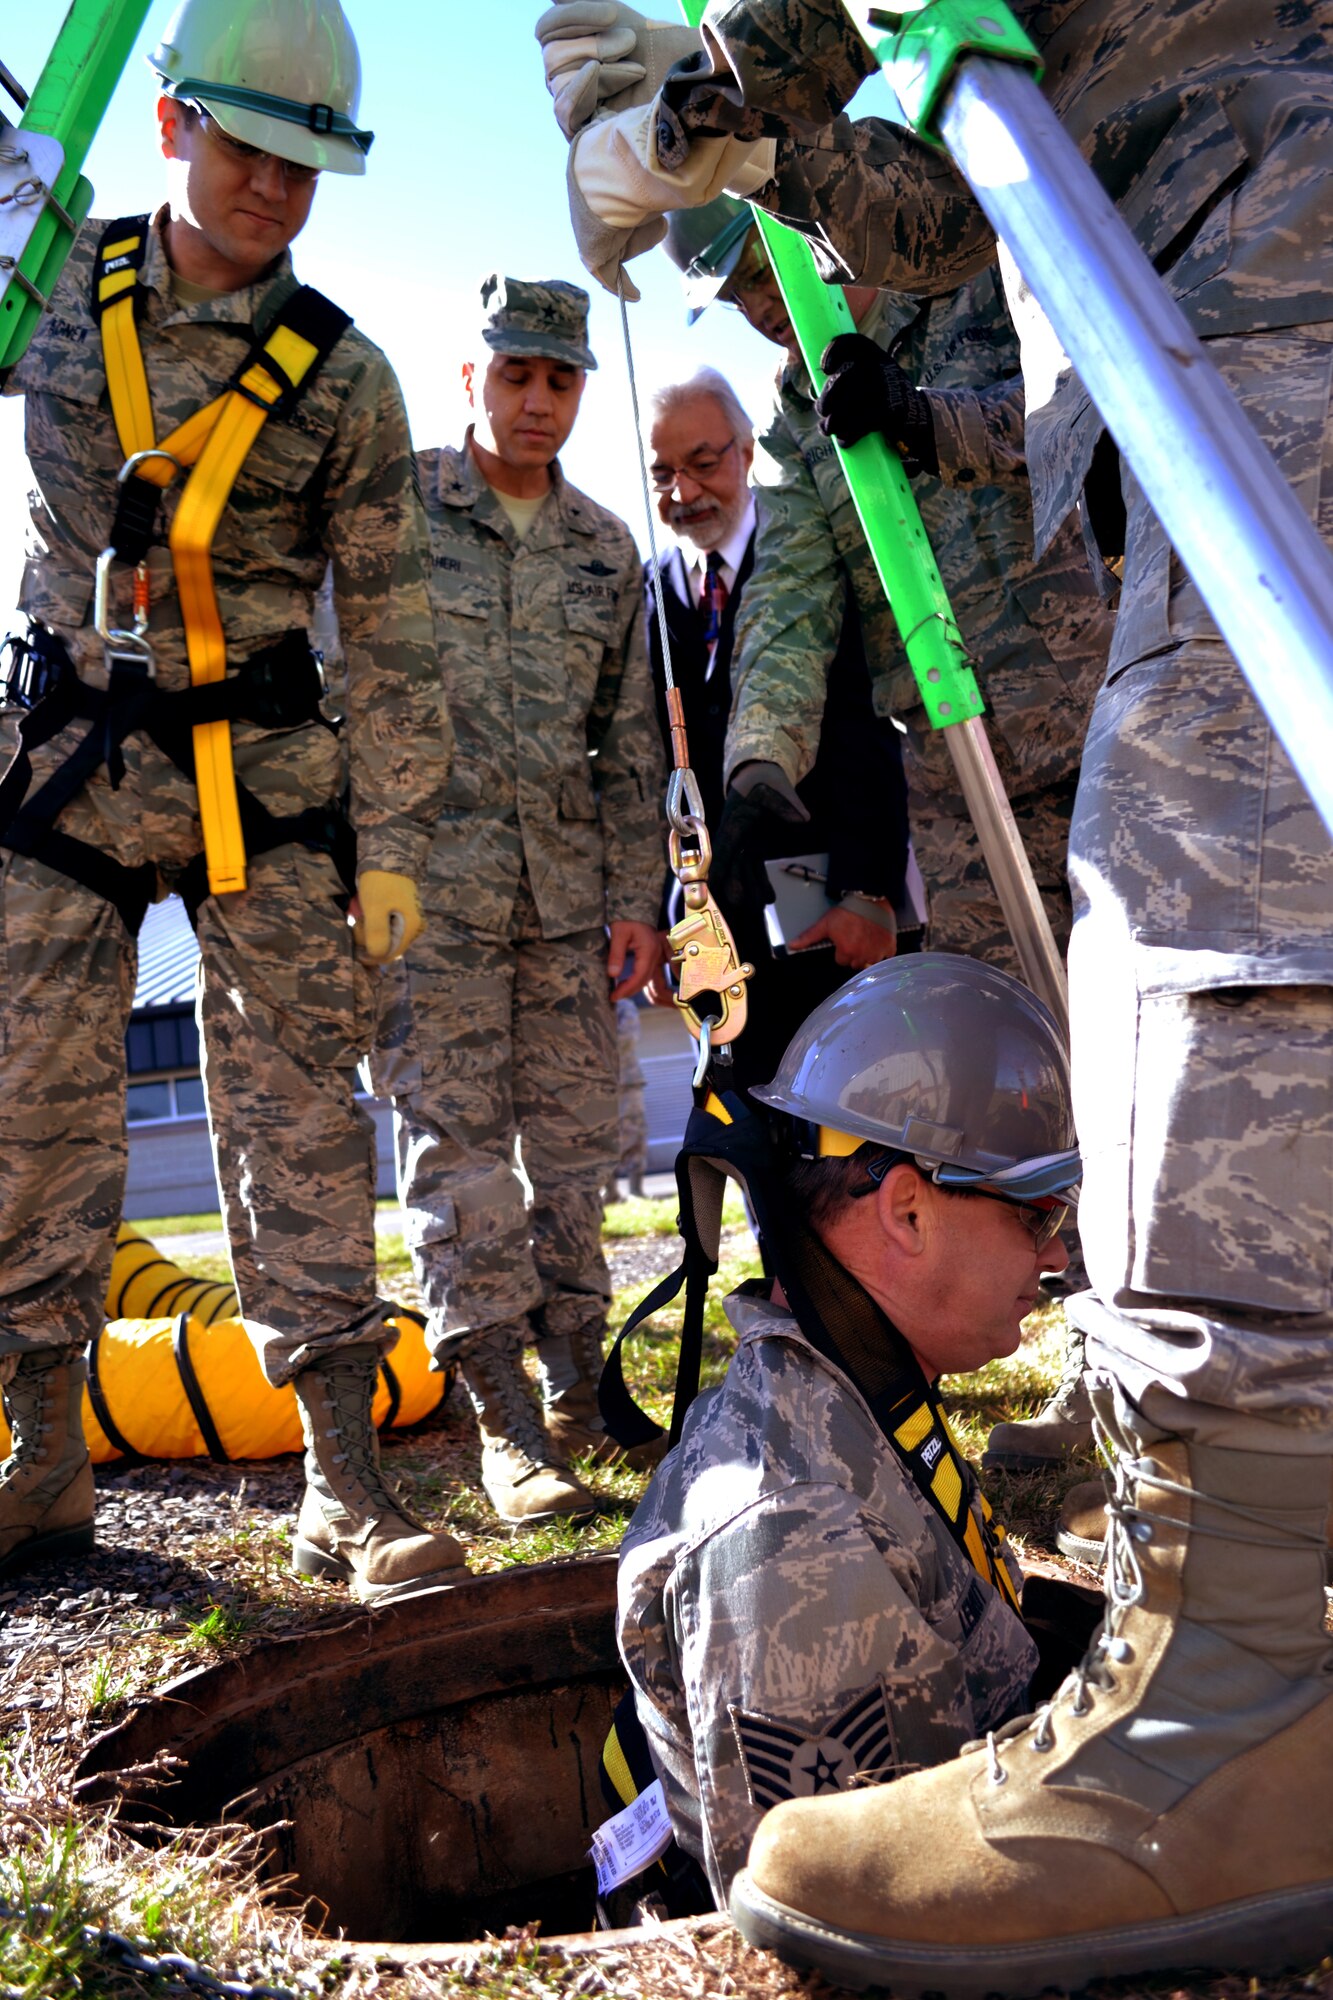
(631, 1841)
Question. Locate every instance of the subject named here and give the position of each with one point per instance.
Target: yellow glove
(388, 914)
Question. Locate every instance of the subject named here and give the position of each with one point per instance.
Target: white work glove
(619, 195)
(599, 52)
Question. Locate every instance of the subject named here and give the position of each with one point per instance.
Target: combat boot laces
(1129, 1531)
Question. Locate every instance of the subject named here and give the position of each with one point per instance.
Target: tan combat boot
(569, 1365)
(351, 1527)
(1063, 1425)
(46, 1483)
(519, 1468)
(1168, 1809)
(1081, 1531)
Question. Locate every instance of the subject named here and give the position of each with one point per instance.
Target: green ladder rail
(896, 536)
(44, 197)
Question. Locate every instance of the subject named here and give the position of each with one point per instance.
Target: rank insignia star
(854, 1747)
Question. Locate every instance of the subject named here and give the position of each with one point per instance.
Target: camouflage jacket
(1037, 632)
(558, 767)
(330, 483)
(1210, 126)
(793, 1614)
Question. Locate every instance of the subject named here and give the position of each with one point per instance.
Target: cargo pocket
(1231, 1155)
(287, 942)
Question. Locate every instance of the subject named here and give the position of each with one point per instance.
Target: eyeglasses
(1044, 1216)
(294, 171)
(699, 466)
(753, 273)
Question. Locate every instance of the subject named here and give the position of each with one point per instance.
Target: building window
(165, 1041)
(153, 1101)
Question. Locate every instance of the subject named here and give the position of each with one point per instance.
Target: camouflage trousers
(507, 1073)
(965, 914)
(633, 1087)
(1201, 990)
(285, 1009)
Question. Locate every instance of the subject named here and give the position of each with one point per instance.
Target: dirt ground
(192, 1566)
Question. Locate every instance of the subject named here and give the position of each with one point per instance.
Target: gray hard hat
(942, 1058)
(705, 245)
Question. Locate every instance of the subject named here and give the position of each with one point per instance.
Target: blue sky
(467, 175)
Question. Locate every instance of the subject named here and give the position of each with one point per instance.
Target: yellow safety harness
(212, 445)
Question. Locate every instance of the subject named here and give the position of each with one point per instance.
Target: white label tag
(632, 1840)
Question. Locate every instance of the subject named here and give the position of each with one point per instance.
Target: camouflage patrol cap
(527, 316)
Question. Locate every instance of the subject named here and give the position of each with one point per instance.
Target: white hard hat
(282, 75)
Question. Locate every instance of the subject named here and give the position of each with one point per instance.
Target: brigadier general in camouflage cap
(550, 838)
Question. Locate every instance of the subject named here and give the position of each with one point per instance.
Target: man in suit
(702, 448)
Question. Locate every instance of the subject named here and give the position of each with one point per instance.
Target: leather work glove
(604, 248)
(620, 194)
(387, 913)
(759, 793)
(599, 52)
(865, 392)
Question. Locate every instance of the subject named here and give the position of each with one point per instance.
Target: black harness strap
(277, 688)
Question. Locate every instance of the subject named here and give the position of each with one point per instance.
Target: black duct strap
(194, 1394)
(102, 1409)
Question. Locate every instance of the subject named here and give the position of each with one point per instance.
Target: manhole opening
(428, 1773)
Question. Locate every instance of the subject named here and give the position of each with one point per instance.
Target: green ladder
(44, 197)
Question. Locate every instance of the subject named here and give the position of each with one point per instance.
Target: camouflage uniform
(1037, 632)
(633, 1088)
(793, 1614)
(550, 830)
(285, 1005)
(1203, 952)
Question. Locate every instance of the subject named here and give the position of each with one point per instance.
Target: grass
(70, 1877)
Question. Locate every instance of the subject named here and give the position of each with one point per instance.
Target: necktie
(712, 599)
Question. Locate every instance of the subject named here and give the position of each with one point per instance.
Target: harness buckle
(704, 953)
(119, 647)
